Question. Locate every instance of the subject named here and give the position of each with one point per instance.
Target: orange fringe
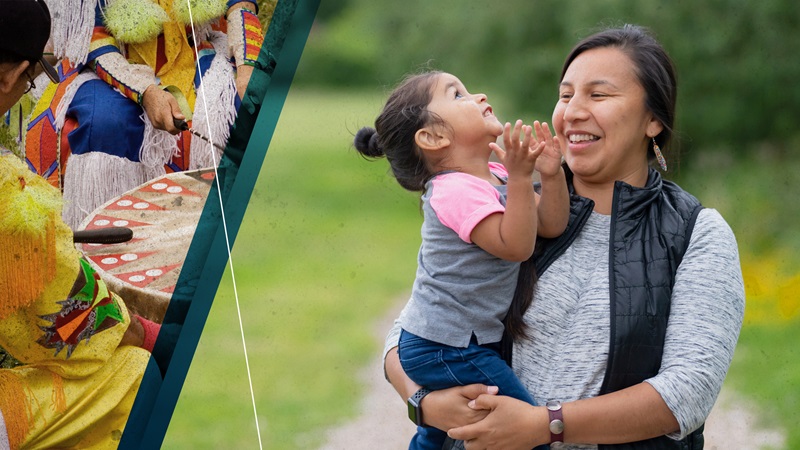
(59, 398)
(16, 408)
(27, 264)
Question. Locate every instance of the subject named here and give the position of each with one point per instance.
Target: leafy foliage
(736, 59)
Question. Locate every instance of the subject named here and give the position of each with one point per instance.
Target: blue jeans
(438, 366)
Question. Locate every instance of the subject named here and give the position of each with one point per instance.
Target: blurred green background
(329, 241)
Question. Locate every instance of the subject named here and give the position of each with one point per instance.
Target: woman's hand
(443, 409)
(134, 334)
(161, 108)
(449, 408)
(549, 162)
(509, 424)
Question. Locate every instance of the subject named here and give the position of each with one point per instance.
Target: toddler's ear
(429, 138)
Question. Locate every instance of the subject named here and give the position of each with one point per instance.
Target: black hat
(25, 29)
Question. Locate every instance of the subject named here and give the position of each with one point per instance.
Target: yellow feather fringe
(138, 21)
(135, 21)
(202, 10)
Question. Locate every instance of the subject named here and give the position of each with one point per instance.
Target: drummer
(56, 315)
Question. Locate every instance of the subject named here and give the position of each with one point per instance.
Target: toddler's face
(470, 119)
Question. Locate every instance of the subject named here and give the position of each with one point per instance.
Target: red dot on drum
(208, 176)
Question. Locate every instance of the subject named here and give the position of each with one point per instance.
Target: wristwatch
(556, 421)
(414, 410)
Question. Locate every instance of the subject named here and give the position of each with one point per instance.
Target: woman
(638, 304)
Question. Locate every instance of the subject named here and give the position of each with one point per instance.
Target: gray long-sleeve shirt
(566, 356)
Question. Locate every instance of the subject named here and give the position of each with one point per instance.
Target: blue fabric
(107, 122)
(437, 366)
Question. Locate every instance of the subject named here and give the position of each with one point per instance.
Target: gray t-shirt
(566, 355)
(460, 289)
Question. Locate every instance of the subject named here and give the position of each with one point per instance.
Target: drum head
(163, 214)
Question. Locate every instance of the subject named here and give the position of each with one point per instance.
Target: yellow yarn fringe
(59, 398)
(16, 407)
(29, 212)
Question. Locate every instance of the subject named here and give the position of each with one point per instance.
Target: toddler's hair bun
(366, 142)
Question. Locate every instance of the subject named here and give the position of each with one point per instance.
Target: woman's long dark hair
(516, 328)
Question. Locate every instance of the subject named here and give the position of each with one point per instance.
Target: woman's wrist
(539, 421)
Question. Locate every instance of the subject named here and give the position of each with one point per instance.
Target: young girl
(480, 220)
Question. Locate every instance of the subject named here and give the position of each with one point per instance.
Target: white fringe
(94, 178)
(158, 146)
(218, 88)
(73, 21)
(202, 32)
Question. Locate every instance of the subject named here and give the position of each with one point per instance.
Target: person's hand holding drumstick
(162, 108)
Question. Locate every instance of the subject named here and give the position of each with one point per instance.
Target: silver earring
(661, 161)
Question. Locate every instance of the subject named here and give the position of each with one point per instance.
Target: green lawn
(329, 243)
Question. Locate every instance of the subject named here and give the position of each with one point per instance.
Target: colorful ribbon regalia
(89, 134)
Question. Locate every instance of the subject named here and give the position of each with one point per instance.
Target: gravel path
(383, 423)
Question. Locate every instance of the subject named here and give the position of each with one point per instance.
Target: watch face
(412, 412)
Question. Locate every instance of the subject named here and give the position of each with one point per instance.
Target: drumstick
(183, 126)
(113, 235)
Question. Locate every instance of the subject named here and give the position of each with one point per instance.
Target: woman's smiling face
(602, 118)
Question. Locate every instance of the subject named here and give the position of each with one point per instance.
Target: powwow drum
(163, 214)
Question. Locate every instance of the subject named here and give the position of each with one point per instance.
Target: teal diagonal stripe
(208, 255)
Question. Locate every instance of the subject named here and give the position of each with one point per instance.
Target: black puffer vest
(650, 231)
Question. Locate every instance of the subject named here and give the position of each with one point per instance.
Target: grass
(328, 243)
